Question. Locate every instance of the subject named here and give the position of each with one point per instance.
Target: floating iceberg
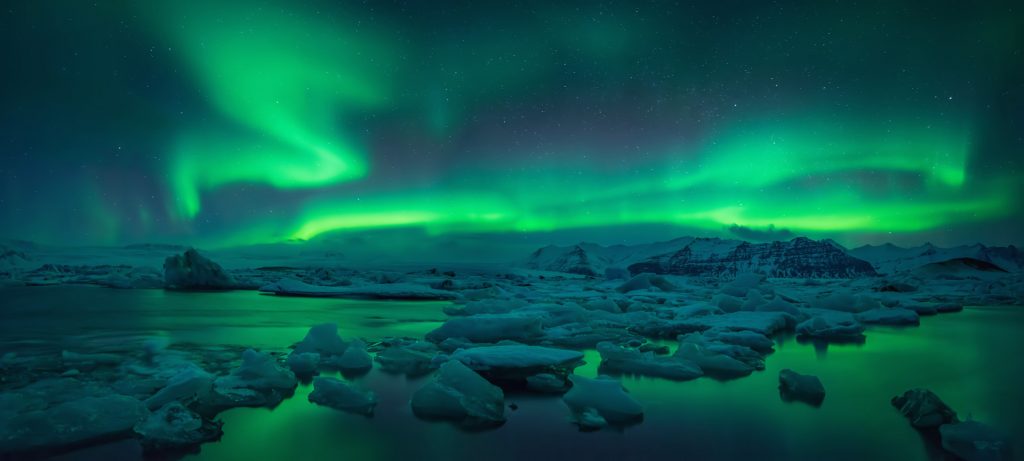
(174, 427)
(339, 395)
(516, 356)
(806, 388)
(595, 403)
(489, 328)
(460, 395)
(259, 381)
(193, 271)
(189, 384)
(831, 325)
(623, 360)
(974, 441)
(694, 349)
(415, 359)
(924, 409)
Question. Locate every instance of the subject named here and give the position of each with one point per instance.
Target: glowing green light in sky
(286, 80)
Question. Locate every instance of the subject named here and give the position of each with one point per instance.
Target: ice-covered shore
(514, 329)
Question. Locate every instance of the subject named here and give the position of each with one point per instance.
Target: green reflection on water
(962, 357)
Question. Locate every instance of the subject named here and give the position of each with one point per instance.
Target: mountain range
(800, 257)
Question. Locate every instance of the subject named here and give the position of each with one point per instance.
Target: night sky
(258, 122)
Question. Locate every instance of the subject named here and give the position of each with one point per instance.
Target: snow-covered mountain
(890, 259)
(707, 257)
(593, 259)
(797, 258)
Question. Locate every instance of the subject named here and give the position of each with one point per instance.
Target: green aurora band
(286, 83)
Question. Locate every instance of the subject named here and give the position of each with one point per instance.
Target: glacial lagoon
(968, 358)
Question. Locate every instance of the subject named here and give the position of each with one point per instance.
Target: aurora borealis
(236, 122)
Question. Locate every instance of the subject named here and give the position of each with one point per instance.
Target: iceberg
(415, 359)
(339, 395)
(460, 395)
(806, 388)
(924, 409)
(974, 441)
(831, 325)
(598, 402)
(623, 360)
(259, 381)
(487, 328)
(193, 271)
(174, 427)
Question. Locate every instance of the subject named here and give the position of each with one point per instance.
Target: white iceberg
(460, 395)
(831, 325)
(189, 384)
(597, 402)
(193, 271)
(258, 381)
(174, 427)
(489, 328)
(340, 395)
(623, 360)
(806, 388)
(924, 409)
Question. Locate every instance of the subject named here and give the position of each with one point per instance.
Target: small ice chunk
(489, 328)
(355, 359)
(832, 325)
(547, 383)
(459, 394)
(806, 388)
(974, 441)
(713, 363)
(604, 396)
(258, 381)
(191, 383)
(175, 427)
(751, 339)
(517, 356)
(303, 363)
(616, 359)
(407, 359)
(322, 339)
(337, 394)
(924, 409)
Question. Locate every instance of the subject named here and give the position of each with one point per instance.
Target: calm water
(971, 359)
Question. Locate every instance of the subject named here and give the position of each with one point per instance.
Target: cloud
(761, 235)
